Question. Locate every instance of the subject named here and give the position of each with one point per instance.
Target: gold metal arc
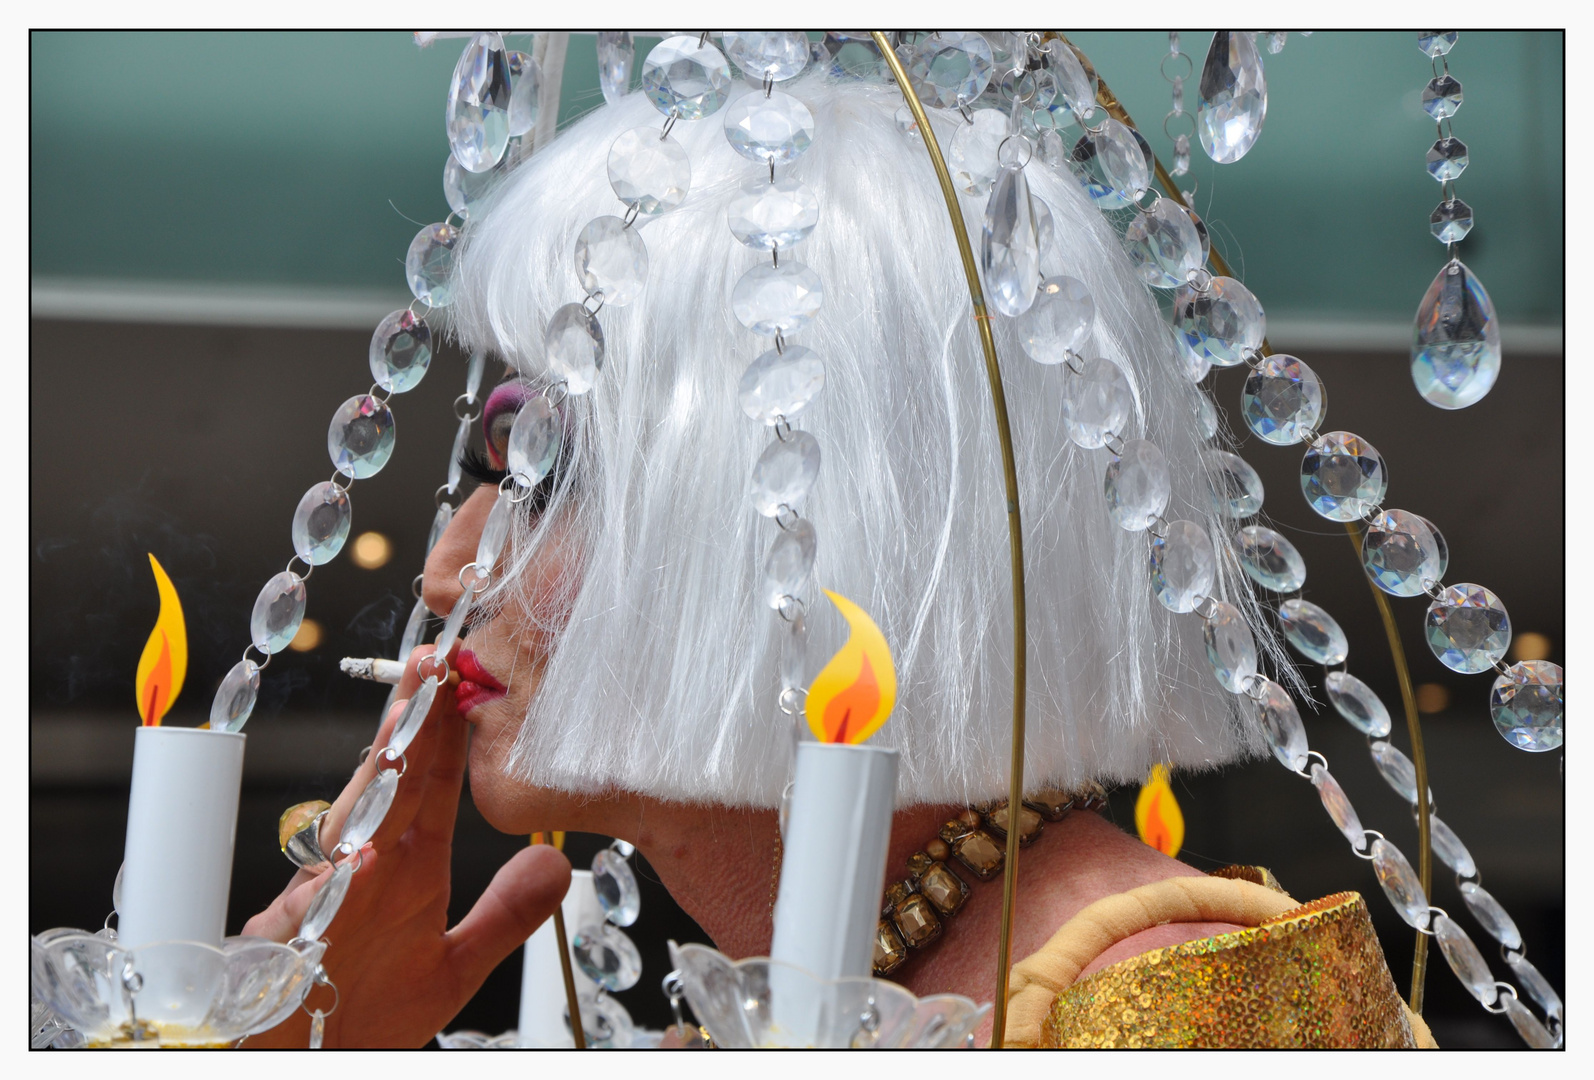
(1015, 533)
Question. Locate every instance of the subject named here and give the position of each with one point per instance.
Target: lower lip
(469, 695)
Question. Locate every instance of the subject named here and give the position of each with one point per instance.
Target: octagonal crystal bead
(772, 130)
(776, 55)
(1282, 400)
(1400, 553)
(321, 523)
(790, 559)
(1338, 806)
(1436, 43)
(616, 886)
(1490, 915)
(1269, 559)
(1400, 883)
(1442, 96)
(1220, 324)
(783, 299)
(429, 264)
(972, 153)
(649, 172)
(1313, 632)
(768, 215)
(1282, 727)
(950, 68)
(1137, 485)
(687, 77)
(574, 347)
(1182, 566)
(1467, 628)
(1356, 702)
(360, 438)
(779, 385)
(1163, 245)
(1096, 403)
(1450, 221)
(785, 472)
(401, 350)
(611, 260)
(1447, 159)
(1237, 487)
(1231, 647)
(1343, 476)
(1058, 323)
(1528, 706)
(1465, 959)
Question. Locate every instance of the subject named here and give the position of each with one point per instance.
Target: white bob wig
(664, 674)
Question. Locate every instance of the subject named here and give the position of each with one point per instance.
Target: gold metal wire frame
(1109, 101)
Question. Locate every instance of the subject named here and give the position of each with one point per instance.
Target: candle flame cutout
(853, 694)
(165, 660)
(1158, 818)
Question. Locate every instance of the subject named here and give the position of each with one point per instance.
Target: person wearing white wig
(622, 676)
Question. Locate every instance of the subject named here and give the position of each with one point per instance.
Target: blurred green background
(295, 159)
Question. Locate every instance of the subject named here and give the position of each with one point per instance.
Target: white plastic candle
(181, 820)
(542, 981)
(834, 866)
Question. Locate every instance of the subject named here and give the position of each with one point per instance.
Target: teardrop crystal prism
(478, 104)
(1096, 403)
(1231, 647)
(607, 957)
(360, 438)
(429, 264)
(525, 93)
(1221, 323)
(686, 76)
(972, 154)
(235, 697)
(647, 171)
(321, 523)
(534, 441)
(1356, 702)
(616, 886)
(785, 472)
(1455, 349)
(574, 344)
(413, 717)
(326, 902)
(401, 350)
(616, 52)
(611, 260)
(370, 809)
(278, 611)
(1233, 96)
(1182, 566)
(1313, 632)
(1269, 559)
(790, 559)
(1281, 726)
(1163, 245)
(779, 385)
(1059, 322)
(1237, 489)
(1010, 254)
(1137, 485)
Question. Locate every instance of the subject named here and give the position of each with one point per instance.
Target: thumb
(523, 893)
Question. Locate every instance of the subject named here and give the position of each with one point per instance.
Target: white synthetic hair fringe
(664, 674)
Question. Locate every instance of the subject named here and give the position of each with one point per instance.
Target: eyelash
(474, 464)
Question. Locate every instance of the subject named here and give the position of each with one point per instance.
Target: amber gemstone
(918, 863)
(917, 922)
(938, 850)
(980, 852)
(297, 818)
(944, 889)
(889, 952)
(955, 828)
(896, 892)
(1030, 822)
(1053, 803)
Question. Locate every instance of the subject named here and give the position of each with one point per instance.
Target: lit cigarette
(383, 671)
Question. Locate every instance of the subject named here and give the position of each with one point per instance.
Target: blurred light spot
(1432, 698)
(1530, 646)
(308, 637)
(372, 550)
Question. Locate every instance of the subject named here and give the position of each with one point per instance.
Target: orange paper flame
(165, 660)
(852, 696)
(1158, 818)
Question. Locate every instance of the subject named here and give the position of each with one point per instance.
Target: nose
(440, 586)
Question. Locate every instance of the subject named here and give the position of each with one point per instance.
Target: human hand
(400, 972)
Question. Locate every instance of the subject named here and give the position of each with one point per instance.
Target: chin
(509, 805)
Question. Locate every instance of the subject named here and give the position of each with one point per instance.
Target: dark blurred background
(218, 221)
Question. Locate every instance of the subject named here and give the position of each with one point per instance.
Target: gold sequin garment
(1311, 977)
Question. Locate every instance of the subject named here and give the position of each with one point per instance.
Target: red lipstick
(476, 684)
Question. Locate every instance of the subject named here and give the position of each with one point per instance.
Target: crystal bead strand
(773, 214)
(1455, 351)
(1177, 116)
(604, 953)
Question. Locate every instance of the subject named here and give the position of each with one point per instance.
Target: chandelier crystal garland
(1220, 323)
(1455, 350)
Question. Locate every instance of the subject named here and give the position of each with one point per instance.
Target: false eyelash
(474, 464)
